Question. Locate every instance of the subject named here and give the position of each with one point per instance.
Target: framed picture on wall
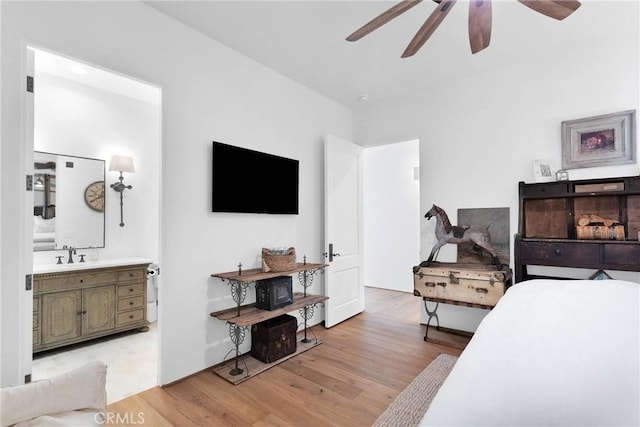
(599, 141)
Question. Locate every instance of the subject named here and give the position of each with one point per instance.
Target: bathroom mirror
(68, 204)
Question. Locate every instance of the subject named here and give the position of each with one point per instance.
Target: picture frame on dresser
(603, 140)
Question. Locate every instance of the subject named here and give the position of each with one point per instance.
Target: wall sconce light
(121, 164)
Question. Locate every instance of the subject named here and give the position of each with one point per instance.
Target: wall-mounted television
(248, 181)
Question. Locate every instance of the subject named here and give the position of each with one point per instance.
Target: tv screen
(248, 181)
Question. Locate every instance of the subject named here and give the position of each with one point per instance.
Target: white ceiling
(305, 40)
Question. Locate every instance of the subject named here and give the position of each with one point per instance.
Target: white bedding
(563, 352)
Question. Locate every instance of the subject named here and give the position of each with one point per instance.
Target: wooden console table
(241, 317)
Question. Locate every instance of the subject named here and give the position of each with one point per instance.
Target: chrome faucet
(72, 251)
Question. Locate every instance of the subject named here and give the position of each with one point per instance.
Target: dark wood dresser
(551, 230)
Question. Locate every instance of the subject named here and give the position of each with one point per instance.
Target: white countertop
(117, 262)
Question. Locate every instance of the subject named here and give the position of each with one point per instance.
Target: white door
(343, 241)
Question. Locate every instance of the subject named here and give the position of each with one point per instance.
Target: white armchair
(75, 398)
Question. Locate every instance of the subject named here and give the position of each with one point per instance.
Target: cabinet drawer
(561, 254)
(130, 317)
(37, 285)
(627, 254)
(134, 274)
(75, 280)
(130, 290)
(130, 303)
(545, 190)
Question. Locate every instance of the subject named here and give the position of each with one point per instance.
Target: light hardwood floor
(348, 380)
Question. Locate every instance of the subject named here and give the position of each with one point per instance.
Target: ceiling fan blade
(429, 26)
(479, 24)
(557, 9)
(382, 19)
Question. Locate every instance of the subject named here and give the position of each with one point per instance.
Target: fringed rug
(409, 407)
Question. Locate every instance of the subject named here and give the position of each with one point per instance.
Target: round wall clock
(94, 196)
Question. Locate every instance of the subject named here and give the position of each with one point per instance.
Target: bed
(552, 352)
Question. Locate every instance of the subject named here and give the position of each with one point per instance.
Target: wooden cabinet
(241, 317)
(74, 306)
(552, 230)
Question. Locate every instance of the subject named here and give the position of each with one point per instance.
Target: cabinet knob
(557, 251)
(130, 302)
(130, 290)
(131, 316)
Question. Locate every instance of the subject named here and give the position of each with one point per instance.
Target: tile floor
(131, 358)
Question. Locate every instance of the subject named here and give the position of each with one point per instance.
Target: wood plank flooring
(348, 380)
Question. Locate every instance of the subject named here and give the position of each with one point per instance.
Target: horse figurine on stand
(447, 233)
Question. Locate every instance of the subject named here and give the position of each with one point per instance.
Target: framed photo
(604, 140)
(562, 175)
(544, 170)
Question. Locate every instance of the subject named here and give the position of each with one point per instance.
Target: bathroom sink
(57, 268)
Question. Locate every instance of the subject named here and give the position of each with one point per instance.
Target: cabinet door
(61, 316)
(99, 309)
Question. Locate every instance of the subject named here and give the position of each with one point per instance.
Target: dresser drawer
(130, 303)
(127, 317)
(622, 254)
(133, 274)
(561, 254)
(75, 280)
(545, 190)
(130, 290)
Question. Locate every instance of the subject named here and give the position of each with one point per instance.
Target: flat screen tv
(248, 181)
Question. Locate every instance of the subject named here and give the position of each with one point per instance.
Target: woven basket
(278, 262)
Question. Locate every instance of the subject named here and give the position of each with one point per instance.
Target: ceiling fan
(479, 20)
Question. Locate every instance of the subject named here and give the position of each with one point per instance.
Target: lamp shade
(121, 164)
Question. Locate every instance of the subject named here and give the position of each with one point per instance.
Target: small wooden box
(274, 339)
(599, 232)
(478, 284)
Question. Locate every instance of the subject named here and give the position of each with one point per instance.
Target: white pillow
(81, 388)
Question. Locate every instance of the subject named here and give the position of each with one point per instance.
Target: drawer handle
(130, 302)
(557, 251)
(131, 316)
(482, 290)
(81, 280)
(130, 274)
(130, 289)
(430, 285)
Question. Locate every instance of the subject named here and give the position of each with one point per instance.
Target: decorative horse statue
(447, 233)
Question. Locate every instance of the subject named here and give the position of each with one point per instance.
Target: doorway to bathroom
(86, 111)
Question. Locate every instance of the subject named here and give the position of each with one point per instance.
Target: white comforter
(561, 352)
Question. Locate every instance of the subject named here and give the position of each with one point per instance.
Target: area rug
(408, 408)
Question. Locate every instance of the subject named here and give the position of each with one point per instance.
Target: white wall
(209, 92)
(479, 136)
(81, 120)
(391, 215)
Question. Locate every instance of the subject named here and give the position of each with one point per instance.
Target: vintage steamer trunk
(462, 284)
(274, 339)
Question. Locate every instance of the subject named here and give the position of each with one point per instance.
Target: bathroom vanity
(81, 301)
